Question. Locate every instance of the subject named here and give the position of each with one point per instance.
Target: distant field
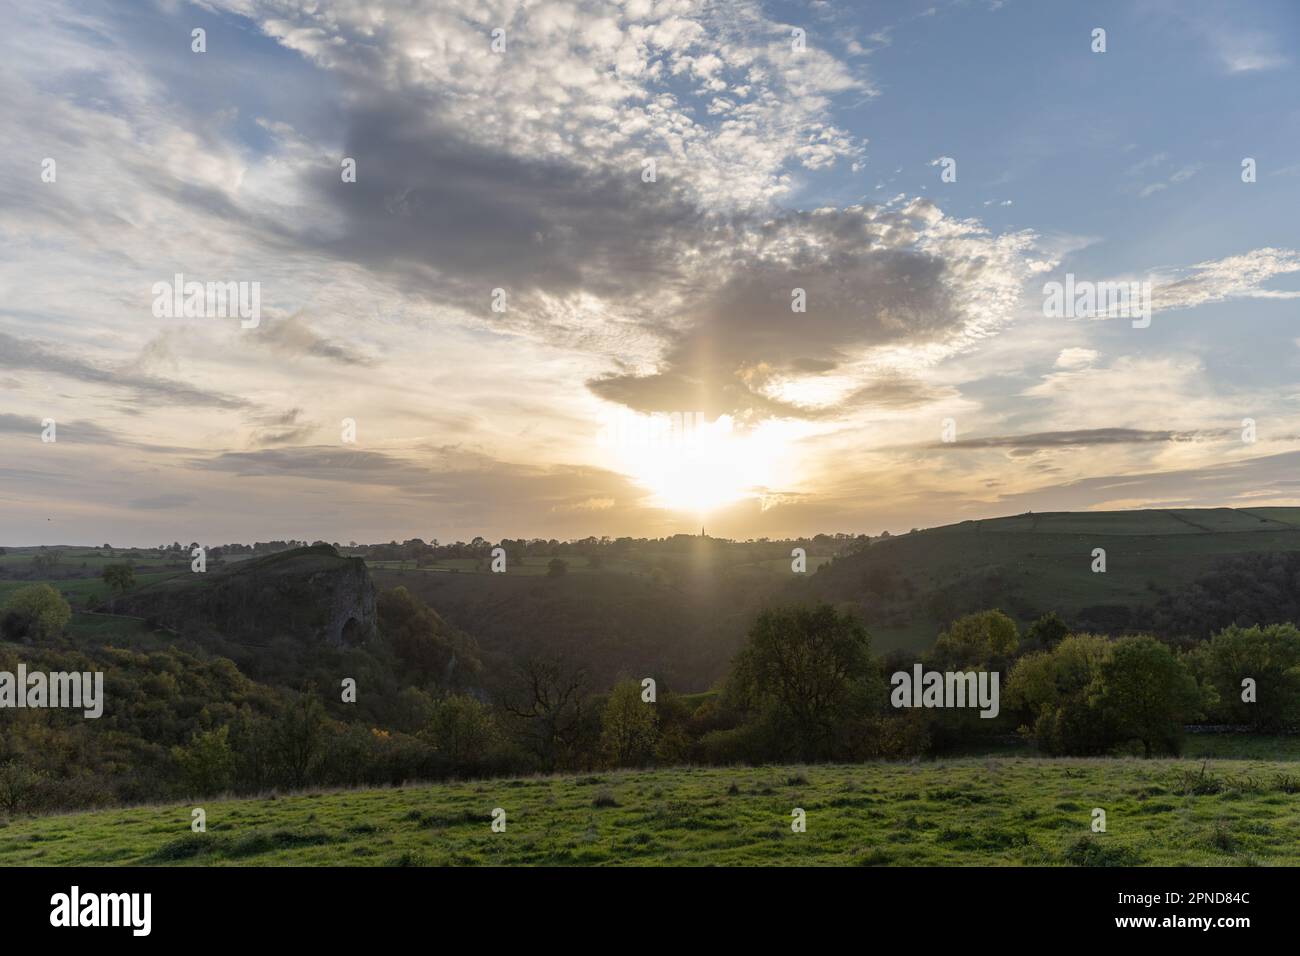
(528, 566)
(77, 590)
(578, 564)
(976, 811)
(72, 557)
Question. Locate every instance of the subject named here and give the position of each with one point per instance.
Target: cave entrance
(353, 633)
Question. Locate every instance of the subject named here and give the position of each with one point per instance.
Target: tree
(429, 648)
(45, 561)
(809, 671)
(463, 732)
(629, 727)
(37, 609)
(206, 763)
(120, 578)
(1048, 631)
(300, 732)
(556, 567)
(1051, 689)
(20, 787)
(978, 638)
(545, 700)
(1148, 693)
(1270, 656)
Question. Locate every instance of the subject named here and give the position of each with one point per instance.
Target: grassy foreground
(978, 811)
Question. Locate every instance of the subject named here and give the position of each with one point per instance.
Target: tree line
(188, 721)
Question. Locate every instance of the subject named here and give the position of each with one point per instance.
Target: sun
(695, 468)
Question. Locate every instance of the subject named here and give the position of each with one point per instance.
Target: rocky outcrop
(312, 594)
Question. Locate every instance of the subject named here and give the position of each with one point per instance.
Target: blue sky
(521, 171)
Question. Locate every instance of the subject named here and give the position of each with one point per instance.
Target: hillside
(956, 812)
(686, 626)
(617, 625)
(910, 586)
(309, 593)
(679, 608)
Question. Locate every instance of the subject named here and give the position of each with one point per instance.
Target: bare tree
(545, 702)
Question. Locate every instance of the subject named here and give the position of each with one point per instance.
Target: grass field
(979, 811)
(78, 590)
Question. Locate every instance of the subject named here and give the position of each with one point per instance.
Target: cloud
(871, 279)
(1180, 175)
(28, 355)
(161, 502)
(292, 336)
(80, 432)
(1247, 51)
(1078, 437)
(587, 504)
(1217, 280)
(521, 172)
(1073, 358)
(323, 462)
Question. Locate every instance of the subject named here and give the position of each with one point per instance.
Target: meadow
(1002, 811)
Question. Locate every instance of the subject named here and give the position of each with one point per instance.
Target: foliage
(37, 610)
(120, 578)
(807, 675)
(629, 727)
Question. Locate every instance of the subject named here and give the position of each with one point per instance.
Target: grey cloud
(1084, 436)
(287, 436)
(292, 336)
(454, 220)
(279, 419)
(161, 502)
(69, 431)
(328, 463)
(895, 390)
(25, 354)
(866, 285)
(465, 485)
(1233, 484)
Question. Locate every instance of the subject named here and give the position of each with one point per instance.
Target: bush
(43, 609)
(22, 789)
(1089, 851)
(207, 764)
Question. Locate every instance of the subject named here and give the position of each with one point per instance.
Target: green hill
(686, 625)
(911, 585)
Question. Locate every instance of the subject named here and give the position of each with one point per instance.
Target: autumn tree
(629, 727)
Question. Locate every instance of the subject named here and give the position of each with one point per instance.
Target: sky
(559, 269)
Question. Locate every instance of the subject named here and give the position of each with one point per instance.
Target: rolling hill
(908, 586)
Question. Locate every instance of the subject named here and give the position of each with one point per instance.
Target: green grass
(79, 590)
(1241, 746)
(73, 556)
(89, 631)
(978, 811)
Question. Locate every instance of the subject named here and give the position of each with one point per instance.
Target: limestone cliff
(312, 594)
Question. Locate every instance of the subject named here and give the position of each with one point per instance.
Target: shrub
(44, 609)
